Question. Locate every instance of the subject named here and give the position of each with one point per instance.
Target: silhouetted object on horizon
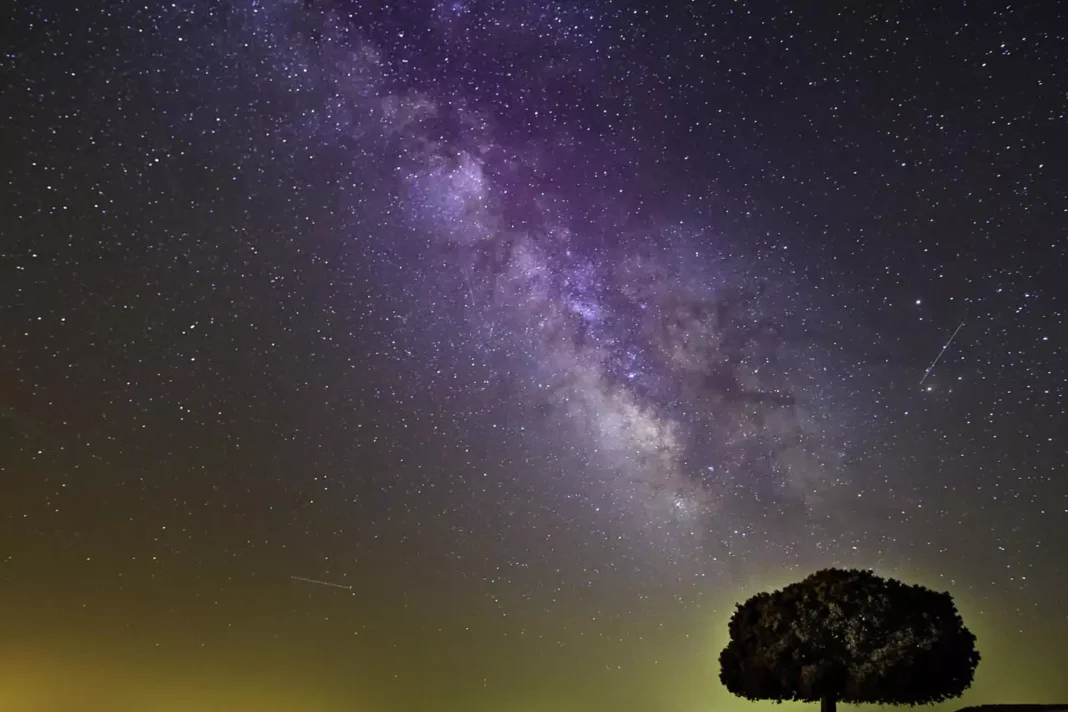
(849, 636)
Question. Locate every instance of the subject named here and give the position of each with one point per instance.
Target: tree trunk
(828, 704)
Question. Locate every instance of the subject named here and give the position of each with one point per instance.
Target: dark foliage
(849, 636)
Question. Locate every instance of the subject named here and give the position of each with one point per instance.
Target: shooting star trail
(321, 583)
(939, 356)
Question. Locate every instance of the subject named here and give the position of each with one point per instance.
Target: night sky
(542, 331)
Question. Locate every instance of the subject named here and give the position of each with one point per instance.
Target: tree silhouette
(849, 636)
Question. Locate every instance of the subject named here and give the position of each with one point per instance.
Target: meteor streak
(939, 356)
(321, 583)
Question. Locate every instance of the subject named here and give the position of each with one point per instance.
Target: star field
(551, 329)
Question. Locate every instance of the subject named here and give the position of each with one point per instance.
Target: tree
(849, 636)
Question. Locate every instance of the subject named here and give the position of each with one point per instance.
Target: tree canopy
(849, 636)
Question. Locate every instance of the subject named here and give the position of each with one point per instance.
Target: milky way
(676, 371)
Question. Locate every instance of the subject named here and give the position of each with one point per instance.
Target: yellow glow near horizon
(70, 673)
